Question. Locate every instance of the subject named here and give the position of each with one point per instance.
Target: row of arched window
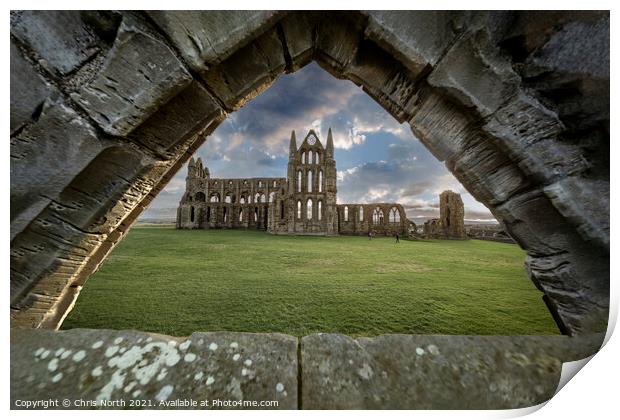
(232, 199)
(246, 183)
(311, 158)
(192, 214)
(377, 215)
(310, 210)
(309, 181)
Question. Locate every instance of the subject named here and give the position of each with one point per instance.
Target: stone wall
(319, 371)
(107, 106)
(384, 219)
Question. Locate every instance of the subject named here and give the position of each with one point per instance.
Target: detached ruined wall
(451, 222)
(385, 219)
(107, 106)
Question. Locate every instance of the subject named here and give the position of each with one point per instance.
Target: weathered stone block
(247, 72)
(384, 79)
(417, 38)
(576, 287)
(45, 157)
(473, 73)
(43, 262)
(28, 90)
(433, 372)
(442, 126)
(487, 173)
(141, 74)
(529, 133)
(337, 40)
(110, 187)
(104, 365)
(524, 121)
(569, 70)
(534, 223)
(577, 48)
(62, 40)
(166, 131)
(205, 38)
(299, 32)
(585, 202)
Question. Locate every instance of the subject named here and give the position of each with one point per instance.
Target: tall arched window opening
(377, 216)
(394, 215)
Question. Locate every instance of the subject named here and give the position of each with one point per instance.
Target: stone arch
(200, 197)
(499, 133)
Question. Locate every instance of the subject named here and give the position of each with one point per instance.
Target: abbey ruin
(302, 203)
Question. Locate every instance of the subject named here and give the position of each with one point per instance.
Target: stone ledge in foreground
(389, 371)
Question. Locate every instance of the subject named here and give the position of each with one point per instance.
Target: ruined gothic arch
(456, 83)
(200, 197)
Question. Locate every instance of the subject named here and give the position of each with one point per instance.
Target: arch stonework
(506, 99)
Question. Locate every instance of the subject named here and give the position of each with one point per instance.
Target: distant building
(451, 222)
(303, 203)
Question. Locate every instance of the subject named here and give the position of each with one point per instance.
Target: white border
(592, 395)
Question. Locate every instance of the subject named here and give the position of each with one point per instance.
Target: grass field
(178, 281)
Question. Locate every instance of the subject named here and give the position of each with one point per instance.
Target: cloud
(378, 159)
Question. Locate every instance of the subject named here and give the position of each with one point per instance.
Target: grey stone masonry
(320, 371)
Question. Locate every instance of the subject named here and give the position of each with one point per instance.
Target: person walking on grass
(369, 235)
(397, 238)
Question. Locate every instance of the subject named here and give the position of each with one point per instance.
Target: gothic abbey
(302, 203)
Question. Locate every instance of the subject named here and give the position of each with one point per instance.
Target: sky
(378, 159)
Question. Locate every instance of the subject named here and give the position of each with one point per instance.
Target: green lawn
(178, 281)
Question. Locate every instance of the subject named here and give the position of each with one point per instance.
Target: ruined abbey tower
(303, 203)
(311, 196)
(451, 222)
